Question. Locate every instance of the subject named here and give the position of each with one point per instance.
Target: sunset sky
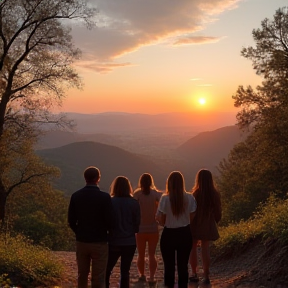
(157, 56)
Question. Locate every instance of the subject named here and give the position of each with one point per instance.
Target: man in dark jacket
(90, 218)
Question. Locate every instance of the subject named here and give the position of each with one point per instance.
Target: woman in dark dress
(204, 225)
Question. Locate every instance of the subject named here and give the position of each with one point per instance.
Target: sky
(162, 56)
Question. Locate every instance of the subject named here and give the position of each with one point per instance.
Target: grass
(270, 221)
(25, 264)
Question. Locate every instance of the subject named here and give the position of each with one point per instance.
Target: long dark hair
(204, 191)
(121, 187)
(175, 188)
(146, 183)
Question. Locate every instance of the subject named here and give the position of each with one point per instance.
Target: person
(122, 242)
(148, 197)
(175, 212)
(90, 218)
(204, 225)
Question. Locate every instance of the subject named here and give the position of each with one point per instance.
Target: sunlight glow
(202, 101)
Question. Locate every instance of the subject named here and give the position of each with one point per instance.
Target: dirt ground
(259, 265)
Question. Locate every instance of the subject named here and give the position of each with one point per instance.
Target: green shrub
(270, 221)
(26, 264)
(5, 282)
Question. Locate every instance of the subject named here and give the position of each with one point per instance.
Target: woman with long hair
(148, 197)
(122, 242)
(175, 212)
(204, 225)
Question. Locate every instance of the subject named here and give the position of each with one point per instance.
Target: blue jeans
(179, 241)
(97, 253)
(126, 253)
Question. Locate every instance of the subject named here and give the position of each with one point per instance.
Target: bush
(27, 265)
(5, 282)
(270, 221)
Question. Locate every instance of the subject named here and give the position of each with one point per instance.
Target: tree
(36, 53)
(252, 171)
(270, 60)
(40, 213)
(21, 167)
(259, 166)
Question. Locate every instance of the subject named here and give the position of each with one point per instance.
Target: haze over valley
(131, 144)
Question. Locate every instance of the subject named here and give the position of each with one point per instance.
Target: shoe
(205, 281)
(194, 278)
(142, 278)
(152, 283)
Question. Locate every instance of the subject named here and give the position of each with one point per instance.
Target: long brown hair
(146, 183)
(121, 187)
(175, 188)
(204, 192)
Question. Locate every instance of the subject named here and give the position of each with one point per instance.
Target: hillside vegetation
(112, 161)
(257, 247)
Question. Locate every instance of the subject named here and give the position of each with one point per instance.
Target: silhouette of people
(175, 212)
(89, 216)
(122, 242)
(204, 225)
(148, 197)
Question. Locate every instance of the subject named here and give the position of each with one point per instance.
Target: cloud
(127, 25)
(195, 40)
(200, 85)
(196, 79)
(101, 67)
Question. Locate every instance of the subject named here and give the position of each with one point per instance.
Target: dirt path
(256, 265)
(221, 275)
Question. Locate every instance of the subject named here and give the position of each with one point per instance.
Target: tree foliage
(36, 56)
(259, 166)
(270, 60)
(20, 166)
(40, 213)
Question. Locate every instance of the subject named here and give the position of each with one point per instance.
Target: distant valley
(133, 152)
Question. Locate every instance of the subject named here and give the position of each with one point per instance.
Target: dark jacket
(126, 212)
(90, 214)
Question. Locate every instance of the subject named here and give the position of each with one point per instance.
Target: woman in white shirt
(175, 212)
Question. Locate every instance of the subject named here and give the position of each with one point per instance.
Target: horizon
(106, 122)
(132, 63)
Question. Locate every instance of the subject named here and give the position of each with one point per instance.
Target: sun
(202, 101)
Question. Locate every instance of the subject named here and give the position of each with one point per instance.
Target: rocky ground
(258, 265)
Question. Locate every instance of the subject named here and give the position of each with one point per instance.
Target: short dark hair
(92, 174)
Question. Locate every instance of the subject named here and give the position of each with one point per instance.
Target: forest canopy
(258, 167)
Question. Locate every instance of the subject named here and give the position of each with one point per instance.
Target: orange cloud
(196, 40)
(125, 26)
(102, 67)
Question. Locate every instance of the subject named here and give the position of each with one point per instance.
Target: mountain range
(131, 154)
(115, 122)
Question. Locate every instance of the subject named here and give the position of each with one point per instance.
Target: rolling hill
(207, 149)
(112, 161)
(58, 138)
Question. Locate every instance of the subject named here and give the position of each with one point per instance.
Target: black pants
(126, 253)
(179, 241)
